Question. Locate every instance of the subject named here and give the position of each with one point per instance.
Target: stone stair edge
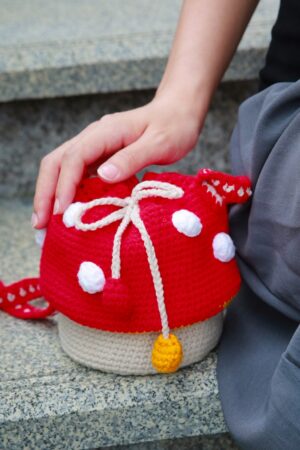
(113, 61)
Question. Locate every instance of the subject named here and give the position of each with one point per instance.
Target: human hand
(116, 146)
(165, 129)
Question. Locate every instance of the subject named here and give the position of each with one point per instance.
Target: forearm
(207, 35)
(164, 130)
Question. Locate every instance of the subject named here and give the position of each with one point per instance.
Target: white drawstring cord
(130, 212)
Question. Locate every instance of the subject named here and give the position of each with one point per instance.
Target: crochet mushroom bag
(139, 272)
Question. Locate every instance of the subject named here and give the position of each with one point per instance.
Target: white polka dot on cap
(90, 277)
(223, 247)
(40, 236)
(187, 223)
(71, 213)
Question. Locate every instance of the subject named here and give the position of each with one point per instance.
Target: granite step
(67, 48)
(90, 53)
(48, 402)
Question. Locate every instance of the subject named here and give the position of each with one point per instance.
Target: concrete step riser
(30, 129)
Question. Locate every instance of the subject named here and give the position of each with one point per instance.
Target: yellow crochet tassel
(167, 353)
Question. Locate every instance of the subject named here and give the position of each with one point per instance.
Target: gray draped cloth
(259, 354)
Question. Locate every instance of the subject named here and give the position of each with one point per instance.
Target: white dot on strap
(11, 297)
(90, 277)
(187, 223)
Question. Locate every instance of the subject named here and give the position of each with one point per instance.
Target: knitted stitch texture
(196, 284)
(130, 353)
(139, 272)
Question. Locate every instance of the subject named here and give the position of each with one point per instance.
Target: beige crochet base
(130, 353)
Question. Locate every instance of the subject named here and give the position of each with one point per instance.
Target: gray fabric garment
(259, 354)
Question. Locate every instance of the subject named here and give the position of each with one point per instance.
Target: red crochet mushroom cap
(189, 234)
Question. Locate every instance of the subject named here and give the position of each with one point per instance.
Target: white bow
(130, 212)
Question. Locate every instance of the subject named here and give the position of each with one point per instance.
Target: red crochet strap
(15, 299)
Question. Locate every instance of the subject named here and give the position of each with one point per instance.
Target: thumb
(129, 160)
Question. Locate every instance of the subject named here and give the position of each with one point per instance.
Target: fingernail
(108, 171)
(56, 207)
(34, 220)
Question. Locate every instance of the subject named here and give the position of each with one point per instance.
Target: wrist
(192, 100)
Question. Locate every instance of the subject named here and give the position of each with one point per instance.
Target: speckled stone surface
(216, 442)
(49, 402)
(70, 47)
(30, 129)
